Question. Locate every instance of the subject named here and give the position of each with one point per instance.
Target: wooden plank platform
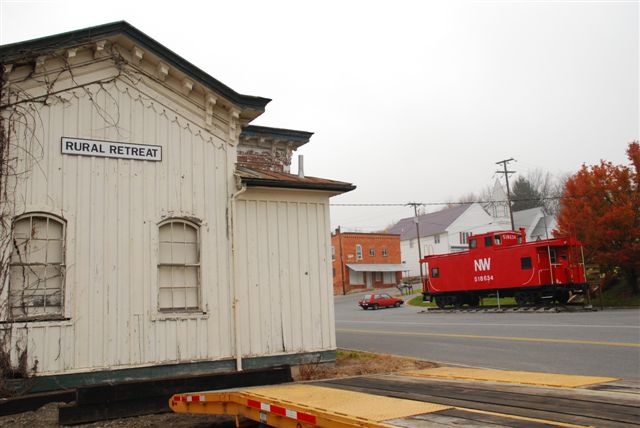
(577, 407)
(462, 418)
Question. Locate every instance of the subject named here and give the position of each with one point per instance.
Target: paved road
(603, 343)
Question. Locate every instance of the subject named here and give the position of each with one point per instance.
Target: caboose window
(488, 241)
(525, 263)
(498, 240)
(473, 243)
(435, 272)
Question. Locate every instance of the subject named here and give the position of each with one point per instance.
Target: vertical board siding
(112, 208)
(283, 272)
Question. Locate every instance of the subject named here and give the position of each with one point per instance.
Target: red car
(382, 300)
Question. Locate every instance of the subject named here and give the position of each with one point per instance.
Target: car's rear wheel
(375, 306)
(397, 304)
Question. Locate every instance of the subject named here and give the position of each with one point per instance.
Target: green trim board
(74, 380)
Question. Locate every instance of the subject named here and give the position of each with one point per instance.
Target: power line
(449, 203)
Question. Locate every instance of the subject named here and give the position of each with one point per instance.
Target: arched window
(178, 266)
(37, 266)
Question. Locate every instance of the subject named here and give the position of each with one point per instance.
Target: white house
(535, 222)
(441, 232)
(147, 228)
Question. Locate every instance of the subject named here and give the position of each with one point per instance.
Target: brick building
(365, 261)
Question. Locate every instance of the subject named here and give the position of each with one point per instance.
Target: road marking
(635, 327)
(473, 336)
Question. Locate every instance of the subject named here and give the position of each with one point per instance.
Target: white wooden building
(138, 241)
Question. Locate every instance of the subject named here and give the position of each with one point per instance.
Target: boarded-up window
(37, 266)
(178, 266)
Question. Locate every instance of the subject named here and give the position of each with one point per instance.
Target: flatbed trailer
(443, 396)
(303, 405)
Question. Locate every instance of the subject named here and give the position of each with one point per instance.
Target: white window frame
(384, 252)
(372, 252)
(358, 252)
(436, 239)
(186, 309)
(464, 237)
(333, 252)
(61, 266)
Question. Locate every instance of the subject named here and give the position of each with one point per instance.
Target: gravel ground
(47, 417)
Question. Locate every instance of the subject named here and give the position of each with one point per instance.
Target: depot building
(150, 229)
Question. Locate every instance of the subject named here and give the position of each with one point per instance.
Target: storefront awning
(383, 267)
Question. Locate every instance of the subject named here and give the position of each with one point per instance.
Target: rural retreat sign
(110, 149)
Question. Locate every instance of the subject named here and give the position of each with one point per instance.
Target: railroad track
(512, 308)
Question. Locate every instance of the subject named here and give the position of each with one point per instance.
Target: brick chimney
(269, 149)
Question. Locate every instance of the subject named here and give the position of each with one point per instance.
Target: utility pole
(506, 178)
(415, 220)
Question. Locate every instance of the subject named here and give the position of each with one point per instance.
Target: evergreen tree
(524, 195)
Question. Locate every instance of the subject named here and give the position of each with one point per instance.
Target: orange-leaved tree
(601, 206)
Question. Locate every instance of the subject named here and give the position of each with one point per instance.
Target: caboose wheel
(441, 302)
(562, 296)
(473, 300)
(521, 298)
(457, 301)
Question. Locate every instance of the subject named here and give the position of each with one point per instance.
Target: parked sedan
(382, 300)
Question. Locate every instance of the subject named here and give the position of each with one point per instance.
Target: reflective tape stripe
(291, 414)
(191, 398)
(303, 417)
(282, 411)
(279, 410)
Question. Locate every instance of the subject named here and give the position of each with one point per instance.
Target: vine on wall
(22, 149)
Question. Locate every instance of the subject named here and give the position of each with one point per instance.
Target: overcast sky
(409, 100)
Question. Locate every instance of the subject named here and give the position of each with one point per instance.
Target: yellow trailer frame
(302, 405)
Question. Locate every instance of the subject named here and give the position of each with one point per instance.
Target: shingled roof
(430, 224)
(262, 178)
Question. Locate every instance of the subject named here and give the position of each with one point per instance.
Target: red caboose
(503, 262)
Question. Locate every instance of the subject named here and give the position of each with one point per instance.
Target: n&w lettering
(482, 264)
